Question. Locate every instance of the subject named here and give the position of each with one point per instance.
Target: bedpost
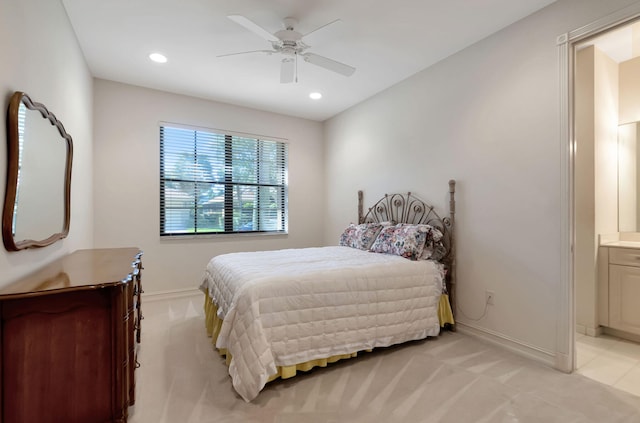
(360, 208)
(452, 248)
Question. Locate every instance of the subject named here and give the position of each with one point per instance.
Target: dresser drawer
(624, 256)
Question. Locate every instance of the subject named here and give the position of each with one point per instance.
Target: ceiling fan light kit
(288, 42)
(287, 70)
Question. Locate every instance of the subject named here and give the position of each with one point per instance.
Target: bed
(390, 280)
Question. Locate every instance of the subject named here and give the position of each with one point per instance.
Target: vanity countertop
(622, 244)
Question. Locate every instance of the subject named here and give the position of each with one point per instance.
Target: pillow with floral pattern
(349, 237)
(360, 236)
(433, 247)
(367, 234)
(401, 240)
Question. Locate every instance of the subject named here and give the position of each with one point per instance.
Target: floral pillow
(360, 236)
(348, 237)
(433, 247)
(401, 240)
(368, 232)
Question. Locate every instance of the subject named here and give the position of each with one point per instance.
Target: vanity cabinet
(620, 276)
(68, 339)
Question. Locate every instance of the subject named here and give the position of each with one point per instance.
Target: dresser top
(80, 270)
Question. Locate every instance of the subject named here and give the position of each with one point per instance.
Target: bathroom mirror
(628, 177)
(37, 197)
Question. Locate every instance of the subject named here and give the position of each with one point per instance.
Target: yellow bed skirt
(214, 323)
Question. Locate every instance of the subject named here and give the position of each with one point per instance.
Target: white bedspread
(287, 307)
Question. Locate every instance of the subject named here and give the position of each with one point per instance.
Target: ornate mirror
(37, 198)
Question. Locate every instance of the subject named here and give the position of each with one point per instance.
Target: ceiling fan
(288, 42)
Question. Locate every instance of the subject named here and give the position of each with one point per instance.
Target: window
(212, 183)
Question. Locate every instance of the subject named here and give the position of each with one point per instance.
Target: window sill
(223, 236)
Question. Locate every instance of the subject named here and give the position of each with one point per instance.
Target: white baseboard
(594, 331)
(584, 330)
(537, 354)
(171, 294)
(564, 362)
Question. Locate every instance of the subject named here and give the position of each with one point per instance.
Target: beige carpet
(453, 378)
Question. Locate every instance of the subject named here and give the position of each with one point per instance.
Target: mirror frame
(13, 144)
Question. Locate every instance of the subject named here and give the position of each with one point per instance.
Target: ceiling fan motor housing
(289, 23)
(290, 40)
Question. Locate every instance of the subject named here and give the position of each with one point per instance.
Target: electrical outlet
(489, 297)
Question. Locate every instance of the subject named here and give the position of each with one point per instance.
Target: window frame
(229, 185)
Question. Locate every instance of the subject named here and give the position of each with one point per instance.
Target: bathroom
(607, 209)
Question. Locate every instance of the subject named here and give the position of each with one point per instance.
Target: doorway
(598, 59)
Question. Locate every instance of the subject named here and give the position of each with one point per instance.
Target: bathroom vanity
(619, 283)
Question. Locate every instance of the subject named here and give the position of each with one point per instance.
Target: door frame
(566, 320)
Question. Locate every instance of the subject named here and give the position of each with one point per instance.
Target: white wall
(606, 144)
(630, 89)
(628, 177)
(40, 56)
(489, 117)
(584, 193)
(126, 179)
(596, 174)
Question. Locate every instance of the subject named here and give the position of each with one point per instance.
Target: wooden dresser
(68, 339)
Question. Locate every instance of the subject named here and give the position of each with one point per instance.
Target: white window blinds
(213, 183)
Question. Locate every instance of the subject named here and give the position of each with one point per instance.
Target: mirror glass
(36, 211)
(628, 184)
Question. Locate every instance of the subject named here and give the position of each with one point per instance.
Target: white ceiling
(387, 41)
(620, 44)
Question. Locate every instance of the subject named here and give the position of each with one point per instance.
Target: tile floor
(453, 378)
(609, 360)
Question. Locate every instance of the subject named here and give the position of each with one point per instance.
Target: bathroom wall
(629, 177)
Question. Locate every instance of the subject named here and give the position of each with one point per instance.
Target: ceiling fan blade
(321, 27)
(246, 52)
(253, 27)
(330, 64)
(287, 70)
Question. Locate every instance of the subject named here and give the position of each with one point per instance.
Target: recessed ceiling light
(158, 58)
(315, 96)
